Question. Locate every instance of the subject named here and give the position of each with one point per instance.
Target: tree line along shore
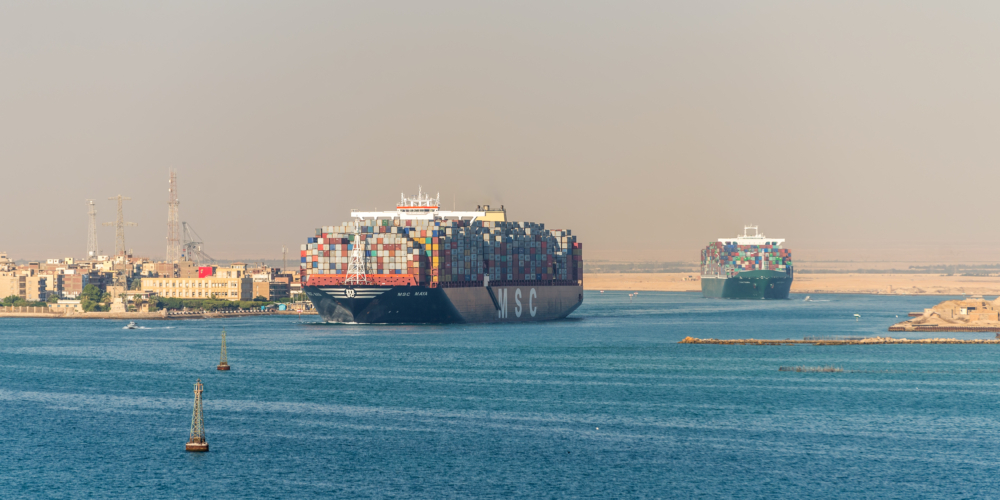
(163, 314)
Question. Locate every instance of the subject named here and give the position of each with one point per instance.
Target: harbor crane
(192, 246)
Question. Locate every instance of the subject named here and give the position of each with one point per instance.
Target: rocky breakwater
(974, 314)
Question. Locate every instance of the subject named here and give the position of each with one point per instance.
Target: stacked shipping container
(448, 252)
(721, 259)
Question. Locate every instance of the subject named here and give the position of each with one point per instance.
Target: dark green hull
(748, 285)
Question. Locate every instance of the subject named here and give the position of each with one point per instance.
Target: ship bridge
(423, 207)
(757, 238)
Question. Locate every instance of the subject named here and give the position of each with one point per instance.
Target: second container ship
(420, 264)
(751, 266)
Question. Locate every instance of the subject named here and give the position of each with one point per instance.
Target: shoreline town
(86, 288)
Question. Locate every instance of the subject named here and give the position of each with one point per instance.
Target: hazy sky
(649, 128)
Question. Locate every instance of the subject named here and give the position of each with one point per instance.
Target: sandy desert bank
(896, 284)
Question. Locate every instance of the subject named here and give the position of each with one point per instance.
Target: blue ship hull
(420, 304)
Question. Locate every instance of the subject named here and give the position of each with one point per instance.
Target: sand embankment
(861, 341)
(894, 284)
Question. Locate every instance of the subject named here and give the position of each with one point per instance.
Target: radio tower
(357, 270)
(223, 361)
(92, 249)
(173, 224)
(120, 272)
(197, 441)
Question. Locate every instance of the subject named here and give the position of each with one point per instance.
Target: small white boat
(130, 326)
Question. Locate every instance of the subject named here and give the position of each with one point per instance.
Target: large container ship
(421, 264)
(751, 266)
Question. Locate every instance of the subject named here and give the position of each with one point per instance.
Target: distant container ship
(751, 266)
(420, 264)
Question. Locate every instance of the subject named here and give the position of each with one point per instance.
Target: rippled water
(606, 404)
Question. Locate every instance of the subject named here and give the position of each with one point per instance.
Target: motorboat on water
(130, 326)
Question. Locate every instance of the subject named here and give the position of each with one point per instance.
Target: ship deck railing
(505, 283)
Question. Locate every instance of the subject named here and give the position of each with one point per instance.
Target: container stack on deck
(719, 258)
(449, 253)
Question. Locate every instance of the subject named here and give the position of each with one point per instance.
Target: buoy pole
(223, 361)
(197, 440)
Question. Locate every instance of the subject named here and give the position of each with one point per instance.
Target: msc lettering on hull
(408, 304)
(518, 307)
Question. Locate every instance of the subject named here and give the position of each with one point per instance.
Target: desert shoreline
(848, 283)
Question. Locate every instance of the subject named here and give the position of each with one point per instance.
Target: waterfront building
(9, 284)
(165, 269)
(270, 290)
(66, 305)
(186, 269)
(24, 283)
(225, 288)
(73, 282)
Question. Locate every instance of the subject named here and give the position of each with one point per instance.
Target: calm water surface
(603, 405)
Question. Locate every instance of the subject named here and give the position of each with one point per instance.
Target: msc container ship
(421, 264)
(751, 266)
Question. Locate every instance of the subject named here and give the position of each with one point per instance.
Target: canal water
(605, 404)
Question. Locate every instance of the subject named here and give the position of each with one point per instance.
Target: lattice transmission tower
(173, 220)
(197, 441)
(92, 249)
(120, 250)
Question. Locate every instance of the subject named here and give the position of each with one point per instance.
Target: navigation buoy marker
(223, 361)
(197, 441)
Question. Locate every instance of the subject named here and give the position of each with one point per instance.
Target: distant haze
(860, 130)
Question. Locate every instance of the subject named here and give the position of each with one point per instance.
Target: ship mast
(357, 270)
